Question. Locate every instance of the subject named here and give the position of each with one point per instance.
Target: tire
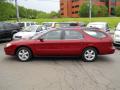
(89, 54)
(12, 35)
(24, 54)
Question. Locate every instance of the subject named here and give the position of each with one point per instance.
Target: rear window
(96, 34)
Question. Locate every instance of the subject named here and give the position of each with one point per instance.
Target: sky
(43, 5)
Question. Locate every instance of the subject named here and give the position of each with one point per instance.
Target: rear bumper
(108, 51)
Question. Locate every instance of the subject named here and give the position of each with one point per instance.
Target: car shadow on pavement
(104, 59)
(4, 41)
(53, 59)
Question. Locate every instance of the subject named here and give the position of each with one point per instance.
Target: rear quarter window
(96, 34)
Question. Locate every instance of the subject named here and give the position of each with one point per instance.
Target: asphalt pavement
(59, 73)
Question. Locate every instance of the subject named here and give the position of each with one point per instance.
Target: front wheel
(89, 55)
(24, 54)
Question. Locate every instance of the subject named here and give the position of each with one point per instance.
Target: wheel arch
(98, 52)
(25, 47)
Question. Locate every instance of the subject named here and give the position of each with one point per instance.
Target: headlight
(8, 45)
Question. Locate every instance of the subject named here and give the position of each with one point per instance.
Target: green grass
(111, 20)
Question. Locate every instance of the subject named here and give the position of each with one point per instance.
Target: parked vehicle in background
(7, 30)
(25, 24)
(67, 42)
(101, 25)
(69, 24)
(64, 24)
(29, 31)
(117, 35)
(49, 24)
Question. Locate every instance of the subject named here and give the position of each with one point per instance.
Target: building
(70, 8)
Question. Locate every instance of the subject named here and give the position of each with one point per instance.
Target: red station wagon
(63, 42)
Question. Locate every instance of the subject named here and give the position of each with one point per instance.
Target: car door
(51, 45)
(73, 42)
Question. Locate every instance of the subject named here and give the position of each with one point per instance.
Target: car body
(7, 30)
(101, 25)
(25, 24)
(29, 32)
(66, 42)
(117, 35)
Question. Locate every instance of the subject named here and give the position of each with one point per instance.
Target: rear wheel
(89, 54)
(24, 54)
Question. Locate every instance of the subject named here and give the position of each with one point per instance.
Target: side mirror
(41, 39)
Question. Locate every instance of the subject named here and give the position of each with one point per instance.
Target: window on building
(75, 0)
(62, 4)
(62, 13)
(73, 12)
(62, 8)
(77, 6)
(76, 12)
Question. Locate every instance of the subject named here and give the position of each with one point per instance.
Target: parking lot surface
(59, 73)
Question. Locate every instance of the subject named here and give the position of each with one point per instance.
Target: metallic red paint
(63, 47)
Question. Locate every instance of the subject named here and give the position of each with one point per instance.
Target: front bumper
(9, 50)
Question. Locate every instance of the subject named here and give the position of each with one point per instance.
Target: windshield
(35, 37)
(30, 29)
(101, 26)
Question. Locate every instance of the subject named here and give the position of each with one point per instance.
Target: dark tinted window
(73, 35)
(53, 35)
(1, 26)
(21, 24)
(8, 26)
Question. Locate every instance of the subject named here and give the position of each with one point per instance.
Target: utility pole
(90, 10)
(17, 10)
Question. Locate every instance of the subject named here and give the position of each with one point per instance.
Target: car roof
(49, 22)
(97, 23)
(25, 22)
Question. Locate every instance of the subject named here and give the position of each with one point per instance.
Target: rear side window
(73, 35)
(96, 34)
(9, 26)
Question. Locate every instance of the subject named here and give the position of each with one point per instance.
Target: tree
(84, 10)
(54, 14)
(102, 11)
(96, 10)
(117, 11)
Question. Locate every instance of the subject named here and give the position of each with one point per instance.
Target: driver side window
(52, 35)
